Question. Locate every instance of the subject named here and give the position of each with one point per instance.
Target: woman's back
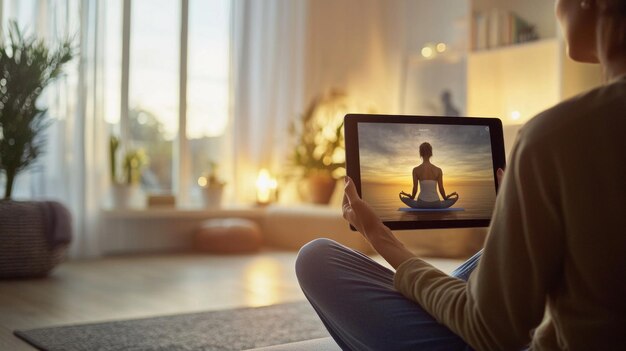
(428, 176)
(588, 295)
(427, 171)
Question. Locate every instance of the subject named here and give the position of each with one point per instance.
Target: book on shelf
(496, 28)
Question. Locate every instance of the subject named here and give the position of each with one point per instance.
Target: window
(177, 51)
(144, 82)
(153, 92)
(207, 82)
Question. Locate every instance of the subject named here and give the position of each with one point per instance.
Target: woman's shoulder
(578, 113)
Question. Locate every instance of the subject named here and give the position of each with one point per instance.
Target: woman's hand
(364, 219)
(451, 195)
(406, 194)
(357, 212)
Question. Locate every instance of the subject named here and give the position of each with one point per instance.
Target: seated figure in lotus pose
(429, 177)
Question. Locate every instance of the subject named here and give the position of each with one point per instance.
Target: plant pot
(124, 196)
(212, 196)
(34, 237)
(321, 187)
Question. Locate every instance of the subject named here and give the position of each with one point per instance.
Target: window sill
(252, 212)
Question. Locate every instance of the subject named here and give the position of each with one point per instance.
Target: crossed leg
(355, 299)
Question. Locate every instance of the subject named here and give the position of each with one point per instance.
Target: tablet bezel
(353, 168)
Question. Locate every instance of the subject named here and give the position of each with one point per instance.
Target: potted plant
(319, 153)
(33, 235)
(125, 190)
(212, 187)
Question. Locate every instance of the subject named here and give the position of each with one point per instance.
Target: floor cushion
(228, 236)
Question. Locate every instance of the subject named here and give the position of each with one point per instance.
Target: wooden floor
(116, 288)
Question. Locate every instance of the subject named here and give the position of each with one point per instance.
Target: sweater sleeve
(505, 297)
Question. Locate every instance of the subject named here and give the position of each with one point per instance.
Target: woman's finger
(500, 175)
(350, 190)
(345, 206)
(345, 196)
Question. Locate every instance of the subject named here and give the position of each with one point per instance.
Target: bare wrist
(382, 235)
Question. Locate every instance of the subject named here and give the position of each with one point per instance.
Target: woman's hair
(426, 150)
(612, 27)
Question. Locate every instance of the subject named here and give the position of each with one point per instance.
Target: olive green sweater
(557, 240)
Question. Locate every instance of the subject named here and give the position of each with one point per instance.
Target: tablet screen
(412, 172)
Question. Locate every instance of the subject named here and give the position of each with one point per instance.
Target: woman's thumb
(350, 190)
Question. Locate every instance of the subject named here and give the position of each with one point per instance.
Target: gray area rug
(237, 329)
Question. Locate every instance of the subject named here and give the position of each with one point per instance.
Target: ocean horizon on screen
(389, 152)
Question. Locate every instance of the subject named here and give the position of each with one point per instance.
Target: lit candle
(265, 187)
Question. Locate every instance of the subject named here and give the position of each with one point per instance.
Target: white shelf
(516, 47)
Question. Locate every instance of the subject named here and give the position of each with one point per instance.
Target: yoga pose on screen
(429, 177)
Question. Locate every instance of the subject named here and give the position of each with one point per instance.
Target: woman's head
(426, 151)
(595, 30)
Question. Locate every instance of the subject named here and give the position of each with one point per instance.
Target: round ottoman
(228, 236)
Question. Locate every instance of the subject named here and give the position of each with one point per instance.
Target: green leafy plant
(27, 66)
(114, 144)
(134, 161)
(320, 145)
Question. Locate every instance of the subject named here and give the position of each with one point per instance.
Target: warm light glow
(262, 282)
(441, 47)
(427, 52)
(515, 115)
(202, 181)
(265, 187)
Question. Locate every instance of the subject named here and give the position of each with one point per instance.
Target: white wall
(356, 46)
(441, 21)
(436, 21)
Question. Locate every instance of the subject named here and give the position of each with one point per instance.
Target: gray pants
(355, 299)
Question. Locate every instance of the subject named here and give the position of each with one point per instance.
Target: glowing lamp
(202, 181)
(265, 187)
(516, 115)
(427, 52)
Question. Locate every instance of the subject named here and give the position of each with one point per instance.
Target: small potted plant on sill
(34, 235)
(126, 190)
(212, 187)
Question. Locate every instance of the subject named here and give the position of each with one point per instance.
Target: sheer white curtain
(287, 52)
(73, 168)
(268, 86)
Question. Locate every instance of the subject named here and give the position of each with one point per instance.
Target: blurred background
(143, 140)
(243, 100)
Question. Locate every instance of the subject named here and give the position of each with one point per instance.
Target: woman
(429, 177)
(551, 274)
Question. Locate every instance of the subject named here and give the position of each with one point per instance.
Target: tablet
(403, 165)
